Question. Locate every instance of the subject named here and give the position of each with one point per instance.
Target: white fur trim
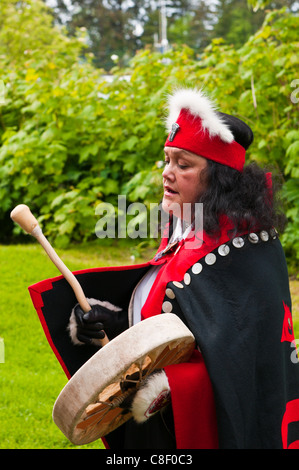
(72, 326)
(200, 106)
(155, 386)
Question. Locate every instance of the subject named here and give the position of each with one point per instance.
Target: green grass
(31, 377)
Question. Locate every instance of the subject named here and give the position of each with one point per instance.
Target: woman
(224, 274)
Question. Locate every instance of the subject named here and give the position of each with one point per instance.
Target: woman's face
(182, 182)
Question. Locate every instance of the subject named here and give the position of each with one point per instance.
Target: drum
(89, 406)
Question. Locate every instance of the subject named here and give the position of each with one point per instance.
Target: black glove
(89, 326)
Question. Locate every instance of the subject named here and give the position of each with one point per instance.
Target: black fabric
(235, 309)
(156, 433)
(113, 286)
(241, 131)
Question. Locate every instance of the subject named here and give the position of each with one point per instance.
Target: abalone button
(167, 307)
(170, 294)
(238, 242)
(196, 268)
(253, 238)
(264, 235)
(223, 250)
(178, 284)
(273, 233)
(210, 258)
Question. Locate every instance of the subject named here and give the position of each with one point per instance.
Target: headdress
(195, 125)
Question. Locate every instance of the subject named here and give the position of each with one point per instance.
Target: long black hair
(249, 198)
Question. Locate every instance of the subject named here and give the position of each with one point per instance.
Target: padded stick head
(22, 215)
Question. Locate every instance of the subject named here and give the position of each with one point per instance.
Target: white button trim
(178, 284)
(223, 250)
(253, 238)
(238, 242)
(170, 294)
(264, 235)
(196, 268)
(167, 307)
(210, 258)
(273, 233)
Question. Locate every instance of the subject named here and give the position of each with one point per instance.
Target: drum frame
(88, 407)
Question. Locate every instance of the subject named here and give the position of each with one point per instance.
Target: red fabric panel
(193, 404)
(287, 327)
(291, 415)
(38, 304)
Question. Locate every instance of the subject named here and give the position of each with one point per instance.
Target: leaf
(110, 186)
(48, 135)
(57, 201)
(31, 75)
(130, 143)
(91, 149)
(67, 227)
(293, 150)
(292, 135)
(262, 143)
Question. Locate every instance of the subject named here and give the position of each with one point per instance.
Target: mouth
(168, 191)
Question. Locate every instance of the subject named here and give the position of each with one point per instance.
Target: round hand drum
(88, 407)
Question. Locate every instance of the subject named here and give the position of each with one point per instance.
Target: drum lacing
(117, 401)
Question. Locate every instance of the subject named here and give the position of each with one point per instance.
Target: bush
(72, 139)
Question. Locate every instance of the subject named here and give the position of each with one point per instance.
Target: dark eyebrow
(177, 152)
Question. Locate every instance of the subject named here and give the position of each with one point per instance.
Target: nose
(168, 172)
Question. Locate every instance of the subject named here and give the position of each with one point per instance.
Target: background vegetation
(72, 138)
(122, 28)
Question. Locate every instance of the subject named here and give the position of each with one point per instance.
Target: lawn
(31, 378)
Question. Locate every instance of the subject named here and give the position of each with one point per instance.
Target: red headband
(188, 134)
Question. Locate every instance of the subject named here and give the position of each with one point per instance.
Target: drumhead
(88, 406)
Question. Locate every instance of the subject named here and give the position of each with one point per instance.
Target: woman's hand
(103, 317)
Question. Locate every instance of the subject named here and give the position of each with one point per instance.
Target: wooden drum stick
(22, 215)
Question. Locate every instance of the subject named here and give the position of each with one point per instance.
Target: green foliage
(258, 4)
(262, 4)
(256, 83)
(236, 21)
(70, 139)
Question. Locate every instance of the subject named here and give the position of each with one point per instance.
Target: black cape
(239, 309)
